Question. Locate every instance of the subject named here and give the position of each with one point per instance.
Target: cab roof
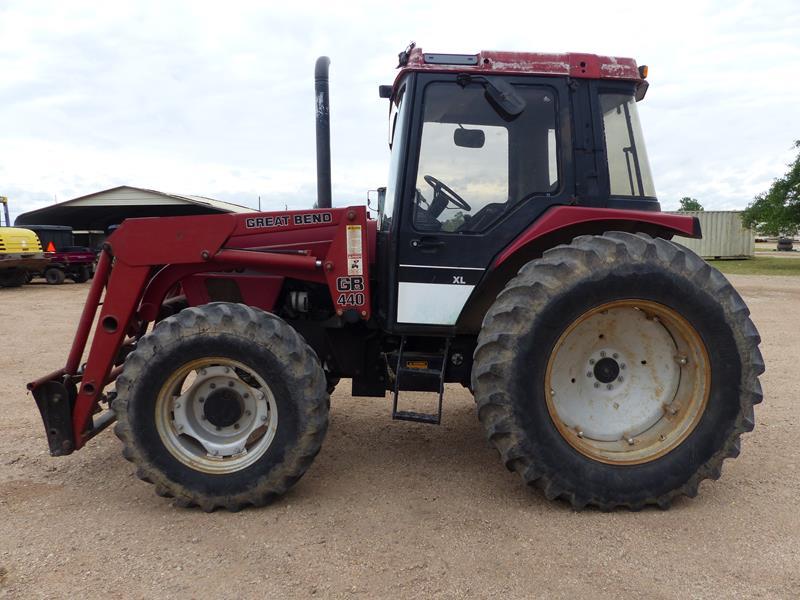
(571, 64)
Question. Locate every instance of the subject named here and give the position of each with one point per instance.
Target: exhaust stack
(322, 100)
(4, 202)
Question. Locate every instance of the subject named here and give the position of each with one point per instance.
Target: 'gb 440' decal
(351, 290)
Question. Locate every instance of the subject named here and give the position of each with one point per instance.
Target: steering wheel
(442, 190)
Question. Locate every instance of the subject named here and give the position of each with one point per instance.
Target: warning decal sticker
(354, 253)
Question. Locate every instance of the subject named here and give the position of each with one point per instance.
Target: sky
(216, 99)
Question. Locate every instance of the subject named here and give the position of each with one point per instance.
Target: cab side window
(628, 166)
(397, 124)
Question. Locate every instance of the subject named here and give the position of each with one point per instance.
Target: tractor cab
(481, 147)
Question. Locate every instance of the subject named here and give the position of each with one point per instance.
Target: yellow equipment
(20, 252)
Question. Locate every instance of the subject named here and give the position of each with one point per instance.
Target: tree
(777, 211)
(690, 204)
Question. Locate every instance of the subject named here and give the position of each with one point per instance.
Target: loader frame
(146, 258)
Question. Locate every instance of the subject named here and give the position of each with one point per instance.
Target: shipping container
(724, 236)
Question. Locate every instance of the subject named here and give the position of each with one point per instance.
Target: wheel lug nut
(202, 371)
(596, 384)
(246, 395)
(213, 386)
(620, 378)
(609, 387)
(615, 355)
(247, 413)
(227, 369)
(236, 426)
(230, 384)
(201, 399)
(177, 405)
(622, 365)
(588, 373)
(591, 361)
(603, 353)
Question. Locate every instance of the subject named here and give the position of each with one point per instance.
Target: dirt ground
(389, 509)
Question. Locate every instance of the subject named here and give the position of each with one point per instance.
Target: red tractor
(518, 249)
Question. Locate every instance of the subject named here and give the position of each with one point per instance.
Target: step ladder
(438, 374)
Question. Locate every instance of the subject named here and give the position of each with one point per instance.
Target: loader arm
(145, 258)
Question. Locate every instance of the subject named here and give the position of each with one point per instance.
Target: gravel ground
(389, 509)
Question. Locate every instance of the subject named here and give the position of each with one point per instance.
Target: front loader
(518, 249)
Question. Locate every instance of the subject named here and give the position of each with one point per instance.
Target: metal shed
(724, 236)
(90, 216)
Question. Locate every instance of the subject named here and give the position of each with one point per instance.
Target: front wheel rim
(627, 381)
(216, 415)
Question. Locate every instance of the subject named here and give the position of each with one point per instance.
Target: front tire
(221, 406)
(618, 370)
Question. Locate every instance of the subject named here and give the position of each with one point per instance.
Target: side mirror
(504, 97)
(469, 138)
(381, 200)
(381, 192)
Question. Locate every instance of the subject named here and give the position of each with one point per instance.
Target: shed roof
(99, 210)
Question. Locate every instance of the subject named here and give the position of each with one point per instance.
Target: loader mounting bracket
(55, 405)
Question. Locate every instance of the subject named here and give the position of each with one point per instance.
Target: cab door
(475, 179)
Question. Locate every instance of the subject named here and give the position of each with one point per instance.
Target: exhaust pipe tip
(321, 68)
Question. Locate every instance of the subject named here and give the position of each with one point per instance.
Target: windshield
(476, 162)
(628, 167)
(397, 121)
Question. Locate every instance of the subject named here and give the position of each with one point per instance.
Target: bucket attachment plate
(55, 405)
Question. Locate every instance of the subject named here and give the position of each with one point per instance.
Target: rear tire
(13, 277)
(82, 275)
(221, 406)
(54, 276)
(331, 383)
(531, 356)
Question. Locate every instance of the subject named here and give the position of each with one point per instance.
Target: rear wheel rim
(216, 415)
(627, 382)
